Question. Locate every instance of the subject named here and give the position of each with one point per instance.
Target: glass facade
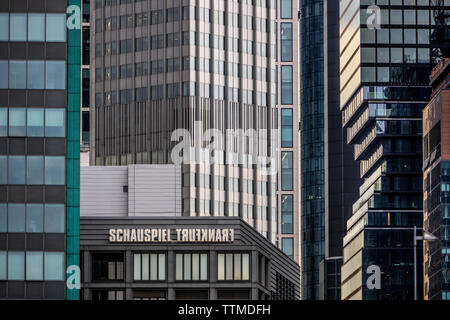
(35, 214)
(384, 86)
(312, 145)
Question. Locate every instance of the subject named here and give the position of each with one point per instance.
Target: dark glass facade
(384, 87)
(312, 145)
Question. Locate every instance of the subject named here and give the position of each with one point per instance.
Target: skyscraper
(287, 61)
(159, 66)
(436, 176)
(385, 62)
(39, 149)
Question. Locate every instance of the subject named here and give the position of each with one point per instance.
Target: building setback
(436, 177)
(39, 149)
(242, 266)
(384, 87)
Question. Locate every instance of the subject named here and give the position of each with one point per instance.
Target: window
(191, 267)
(286, 170)
(35, 170)
(17, 74)
(149, 266)
(55, 75)
(233, 266)
(286, 42)
(36, 74)
(4, 27)
(54, 218)
(17, 122)
(36, 27)
(286, 85)
(286, 9)
(54, 266)
(286, 128)
(3, 265)
(56, 27)
(16, 265)
(4, 74)
(2, 216)
(18, 27)
(55, 170)
(107, 266)
(16, 170)
(107, 295)
(55, 123)
(287, 210)
(287, 245)
(16, 217)
(35, 122)
(35, 266)
(34, 218)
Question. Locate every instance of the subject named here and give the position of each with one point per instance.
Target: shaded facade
(436, 177)
(39, 150)
(384, 87)
(246, 266)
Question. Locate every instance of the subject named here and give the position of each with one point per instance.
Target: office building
(85, 81)
(137, 245)
(39, 149)
(436, 187)
(385, 60)
(329, 173)
(159, 66)
(288, 115)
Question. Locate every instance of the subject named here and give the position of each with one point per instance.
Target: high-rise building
(384, 65)
(287, 68)
(328, 172)
(39, 149)
(159, 66)
(85, 81)
(436, 188)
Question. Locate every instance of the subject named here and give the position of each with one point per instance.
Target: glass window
(4, 74)
(287, 210)
(286, 85)
(36, 27)
(397, 36)
(368, 74)
(17, 121)
(16, 170)
(35, 75)
(286, 42)
(17, 74)
(286, 9)
(16, 265)
(35, 170)
(3, 169)
(55, 170)
(287, 245)
(3, 122)
(18, 27)
(367, 55)
(55, 75)
(54, 218)
(53, 266)
(286, 128)
(55, 124)
(35, 266)
(35, 217)
(383, 74)
(35, 122)
(150, 266)
(16, 217)
(2, 265)
(286, 170)
(410, 36)
(383, 55)
(396, 55)
(2, 217)
(4, 26)
(56, 27)
(233, 266)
